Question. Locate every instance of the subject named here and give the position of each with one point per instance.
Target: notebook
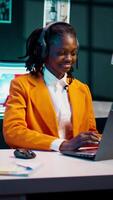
(104, 150)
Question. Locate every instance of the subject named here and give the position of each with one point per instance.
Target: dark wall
(26, 16)
(93, 21)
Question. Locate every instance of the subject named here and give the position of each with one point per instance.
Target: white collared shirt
(61, 104)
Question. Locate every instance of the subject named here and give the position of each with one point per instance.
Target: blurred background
(93, 21)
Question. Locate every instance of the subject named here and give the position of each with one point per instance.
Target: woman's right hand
(82, 140)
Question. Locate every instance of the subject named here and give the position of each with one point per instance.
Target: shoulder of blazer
(78, 84)
(28, 79)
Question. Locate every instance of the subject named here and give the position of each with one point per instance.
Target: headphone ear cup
(43, 50)
(43, 46)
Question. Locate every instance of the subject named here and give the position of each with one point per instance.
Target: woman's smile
(62, 55)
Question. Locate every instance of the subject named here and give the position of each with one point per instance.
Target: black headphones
(42, 41)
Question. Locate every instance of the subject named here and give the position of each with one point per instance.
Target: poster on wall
(56, 10)
(5, 11)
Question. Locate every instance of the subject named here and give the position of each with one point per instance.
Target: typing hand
(83, 139)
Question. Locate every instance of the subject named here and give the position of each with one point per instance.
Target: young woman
(48, 108)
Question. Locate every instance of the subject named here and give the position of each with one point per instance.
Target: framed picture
(56, 10)
(5, 11)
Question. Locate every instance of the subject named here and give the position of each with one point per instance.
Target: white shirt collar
(50, 79)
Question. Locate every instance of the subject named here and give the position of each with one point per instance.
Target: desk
(57, 173)
(102, 108)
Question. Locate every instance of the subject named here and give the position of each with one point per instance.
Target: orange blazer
(30, 120)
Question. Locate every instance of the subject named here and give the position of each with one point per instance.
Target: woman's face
(62, 55)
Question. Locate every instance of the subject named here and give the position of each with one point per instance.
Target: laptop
(104, 150)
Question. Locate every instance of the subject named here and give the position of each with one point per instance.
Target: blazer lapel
(43, 104)
(77, 99)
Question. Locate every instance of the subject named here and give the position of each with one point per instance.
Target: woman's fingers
(83, 139)
(90, 136)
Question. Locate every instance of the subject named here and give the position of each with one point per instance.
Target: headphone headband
(42, 37)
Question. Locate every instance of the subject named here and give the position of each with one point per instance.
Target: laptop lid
(105, 149)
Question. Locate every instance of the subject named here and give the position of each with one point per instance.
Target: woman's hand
(83, 139)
